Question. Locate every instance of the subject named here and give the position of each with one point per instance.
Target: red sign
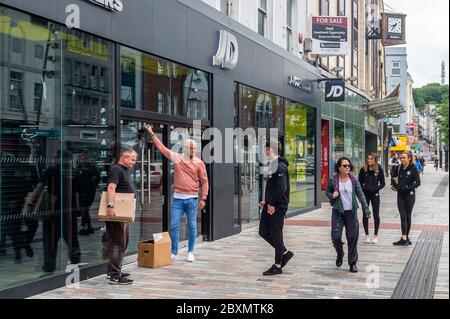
(324, 155)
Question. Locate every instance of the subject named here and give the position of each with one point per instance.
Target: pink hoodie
(189, 174)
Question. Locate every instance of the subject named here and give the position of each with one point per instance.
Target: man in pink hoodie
(190, 174)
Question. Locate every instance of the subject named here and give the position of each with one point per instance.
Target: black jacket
(278, 187)
(408, 179)
(370, 181)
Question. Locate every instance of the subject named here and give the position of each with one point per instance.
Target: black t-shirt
(120, 175)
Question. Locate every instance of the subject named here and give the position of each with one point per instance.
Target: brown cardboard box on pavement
(156, 252)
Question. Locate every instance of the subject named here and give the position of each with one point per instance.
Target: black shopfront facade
(72, 97)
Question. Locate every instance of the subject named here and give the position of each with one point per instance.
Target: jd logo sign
(335, 91)
(228, 52)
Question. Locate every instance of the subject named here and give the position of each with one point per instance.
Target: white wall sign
(299, 83)
(112, 5)
(330, 35)
(228, 51)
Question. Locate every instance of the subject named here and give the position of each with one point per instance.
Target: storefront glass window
(300, 147)
(156, 85)
(57, 144)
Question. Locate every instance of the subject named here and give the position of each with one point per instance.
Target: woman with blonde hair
(405, 181)
(371, 178)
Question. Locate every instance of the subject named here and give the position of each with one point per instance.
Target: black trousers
(405, 204)
(53, 228)
(373, 198)
(20, 239)
(86, 199)
(271, 229)
(118, 239)
(350, 221)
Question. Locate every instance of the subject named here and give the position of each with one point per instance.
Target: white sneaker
(375, 240)
(173, 256)
(190, 257)
(367, 240)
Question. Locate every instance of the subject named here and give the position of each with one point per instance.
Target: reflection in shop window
(15, 94)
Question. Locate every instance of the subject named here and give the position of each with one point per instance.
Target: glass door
(148, 177)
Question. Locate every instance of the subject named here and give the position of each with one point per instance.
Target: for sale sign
(330, 35)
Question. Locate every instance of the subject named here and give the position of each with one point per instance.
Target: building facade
(71, 98)
(352, 130)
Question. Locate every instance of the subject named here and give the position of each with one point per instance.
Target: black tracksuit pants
(118, 238)
(271, 229)
(373, 198)
(350, 221)
(405, 204)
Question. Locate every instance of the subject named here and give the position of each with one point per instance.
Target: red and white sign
(330, 35)
(324, 154)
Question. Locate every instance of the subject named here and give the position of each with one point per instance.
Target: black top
(408, 179)
(120, 175)
(371, 182)
(278, 186)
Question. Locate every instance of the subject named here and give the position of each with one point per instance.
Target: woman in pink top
(189, 175)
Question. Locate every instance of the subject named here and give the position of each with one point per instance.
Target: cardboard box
(124, 205)
(156, 252)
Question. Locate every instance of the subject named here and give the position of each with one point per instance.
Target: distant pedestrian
(436, 163)
(371, 178)
(343, 191)
(422, 162)
(404, 182)
(274, 207)
(394, 163)
(418, 164)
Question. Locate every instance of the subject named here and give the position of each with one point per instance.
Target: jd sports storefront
(70, 98)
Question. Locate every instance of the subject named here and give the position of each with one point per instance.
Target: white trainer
(375, 240)
(173, 256)
(190, 257)
(367, 240)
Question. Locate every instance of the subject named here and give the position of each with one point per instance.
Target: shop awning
(390, 106)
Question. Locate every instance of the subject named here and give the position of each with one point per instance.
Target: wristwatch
(110, 205)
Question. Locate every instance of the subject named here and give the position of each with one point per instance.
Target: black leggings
(405, 204)
(373, 198)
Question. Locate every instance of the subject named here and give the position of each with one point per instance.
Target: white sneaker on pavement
(367, 239)
(190, 257)
(173, 257)
(375, 240)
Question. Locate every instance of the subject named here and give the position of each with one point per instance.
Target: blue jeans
(179, 207)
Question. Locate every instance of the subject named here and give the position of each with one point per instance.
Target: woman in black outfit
(405, 181)
(371, 178)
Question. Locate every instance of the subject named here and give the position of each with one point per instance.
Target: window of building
(355, 39)
(16, 89)
(300, 146)
(164, 87)
(262, 18)
(396, 70)
(289, 46)
(324, 7)
(16, 45)
(341, 8)
(224, 6)
(77, 73)
(38, 51)
(37, 96)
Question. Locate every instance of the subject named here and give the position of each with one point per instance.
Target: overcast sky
(427, 33)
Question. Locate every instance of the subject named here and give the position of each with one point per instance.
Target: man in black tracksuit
(275, 206)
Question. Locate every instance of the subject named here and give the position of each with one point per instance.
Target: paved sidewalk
(232, 267)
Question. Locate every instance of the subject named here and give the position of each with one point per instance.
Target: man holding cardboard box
(118, 232)
(189, 175)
